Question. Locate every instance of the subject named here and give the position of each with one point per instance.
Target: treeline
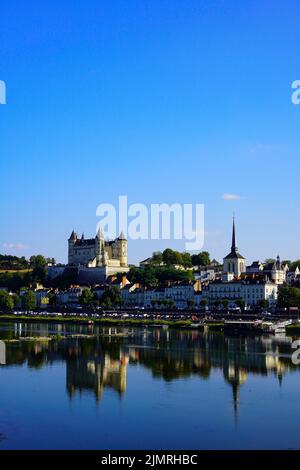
(15, 263)
(34, 272)
(154, 276)
(9, 302)
(171, 257)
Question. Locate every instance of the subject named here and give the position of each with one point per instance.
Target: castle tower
(100, 248)
(277, 273)
(234, 263)
(71, 243)
(122, 242)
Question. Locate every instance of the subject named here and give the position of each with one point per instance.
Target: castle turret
(99, 248)
(71, 242)
(122, 250)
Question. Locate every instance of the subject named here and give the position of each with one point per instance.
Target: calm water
(142, 388)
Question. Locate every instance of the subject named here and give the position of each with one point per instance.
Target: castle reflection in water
(97, 357)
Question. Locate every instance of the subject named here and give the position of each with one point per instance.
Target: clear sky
(160, 100)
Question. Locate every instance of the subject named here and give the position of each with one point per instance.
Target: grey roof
(234, 254)
(85, 242)
(122, 236)
(234, 249)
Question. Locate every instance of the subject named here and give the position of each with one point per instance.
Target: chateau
(98, 253)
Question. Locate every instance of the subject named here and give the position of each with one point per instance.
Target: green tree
(149, 278)
(39, 274)
(6, 301)
(87, 298)
(16, 300)
(190, 303)
(203, 302)
(202, 259)
(37, 261)
(111, 296)
(157, 258)
(289, 297)
(28, 300)
(186, 260)
(135, 275)
(171, 257)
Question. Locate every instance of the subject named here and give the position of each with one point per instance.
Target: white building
(251, 291)
(138, 297)
(69, 297)
(180, 294)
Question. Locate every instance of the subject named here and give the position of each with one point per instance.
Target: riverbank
(240, 327)
(95, 321)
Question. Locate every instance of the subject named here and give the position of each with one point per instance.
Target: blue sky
(161, 100)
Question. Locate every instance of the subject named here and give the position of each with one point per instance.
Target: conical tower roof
(122, 236)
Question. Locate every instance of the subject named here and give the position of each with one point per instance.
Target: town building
(292, 275)
(276, 271)
(69, 297)
(236, 284)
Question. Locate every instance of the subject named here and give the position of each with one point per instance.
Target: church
(234, 263)
(236, 284)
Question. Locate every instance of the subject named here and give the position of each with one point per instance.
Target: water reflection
(98, 357)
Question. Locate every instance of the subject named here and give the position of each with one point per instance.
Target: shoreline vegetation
(94, 321)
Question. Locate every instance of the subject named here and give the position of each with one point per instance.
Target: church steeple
(234, 248)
